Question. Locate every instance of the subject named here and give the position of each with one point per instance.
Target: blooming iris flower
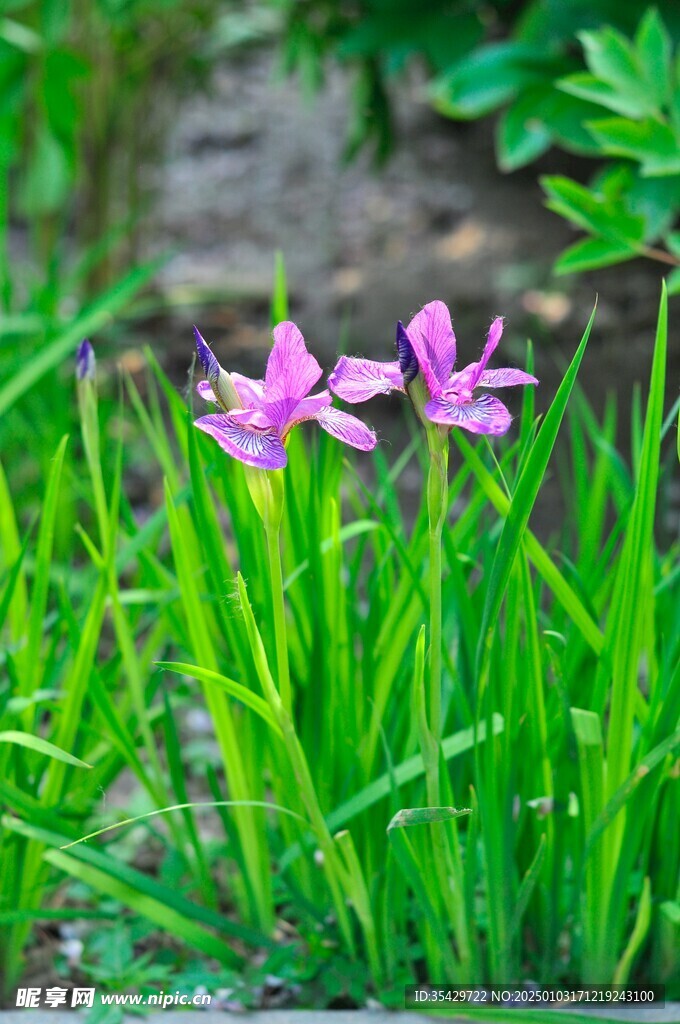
(428, 346)
(258, 415)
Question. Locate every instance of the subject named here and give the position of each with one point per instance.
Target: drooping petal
(308, 409)
(291, 373)
(492, 340)
(205, 391)
(254, 447)
(486, 415)
(357, 380)
(408, 362)
(434, 344)
(506, 377)
(347, 428)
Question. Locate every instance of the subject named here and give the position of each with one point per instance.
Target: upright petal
(492, 340)
(308, 409)
(486, 415)
(251, 392)
(254, 447)
(506, 377)
(434, 344)
(292, 371)
(347, 428)
(357, 380)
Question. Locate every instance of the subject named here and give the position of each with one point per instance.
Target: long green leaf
(523, 499)
(40, 746)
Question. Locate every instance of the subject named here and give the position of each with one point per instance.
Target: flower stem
(279, 611)
(437, 492)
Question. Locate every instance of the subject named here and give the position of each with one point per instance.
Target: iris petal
(254, 447)
(308, 409)
(505, 377)
(347, 428)
(486, 415)
(357, 380)
(434, 344)
(205, 391)
(492, 340)
(251, 392)
(291, 373)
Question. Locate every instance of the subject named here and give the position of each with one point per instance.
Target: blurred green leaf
(595, 213)
(48, 178)
(653, 46)
(520, 135)
(489, 77)
(612, 59)
(591, 253)
(20, 36)
(649, 141)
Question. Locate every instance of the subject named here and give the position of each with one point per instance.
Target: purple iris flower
(85, 361)
(428, 345)
(258, 415)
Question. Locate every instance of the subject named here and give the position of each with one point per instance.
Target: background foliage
(597, 79)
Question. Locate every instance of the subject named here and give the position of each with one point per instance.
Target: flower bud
(221, 383)
(85, 361)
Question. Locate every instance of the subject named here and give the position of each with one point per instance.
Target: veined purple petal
(461, 384)
(255, 448)
(205, 391)
(492, 340)
(408, 363)
(347, 428)
(486, 415)
(291, 373)
(255, 418)
(251, 392)
(85, 361)
(506, 377)
(357, 380)
(434, 344)
(211, 367)
(308, 409)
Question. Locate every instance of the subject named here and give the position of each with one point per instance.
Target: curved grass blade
(40, 746)
(230, 686)
(184, 807)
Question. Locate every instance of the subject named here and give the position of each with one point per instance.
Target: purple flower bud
(211, 368)
(85, 361)
(408, 364)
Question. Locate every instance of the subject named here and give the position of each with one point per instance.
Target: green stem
(437, 490)
(279, 610)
